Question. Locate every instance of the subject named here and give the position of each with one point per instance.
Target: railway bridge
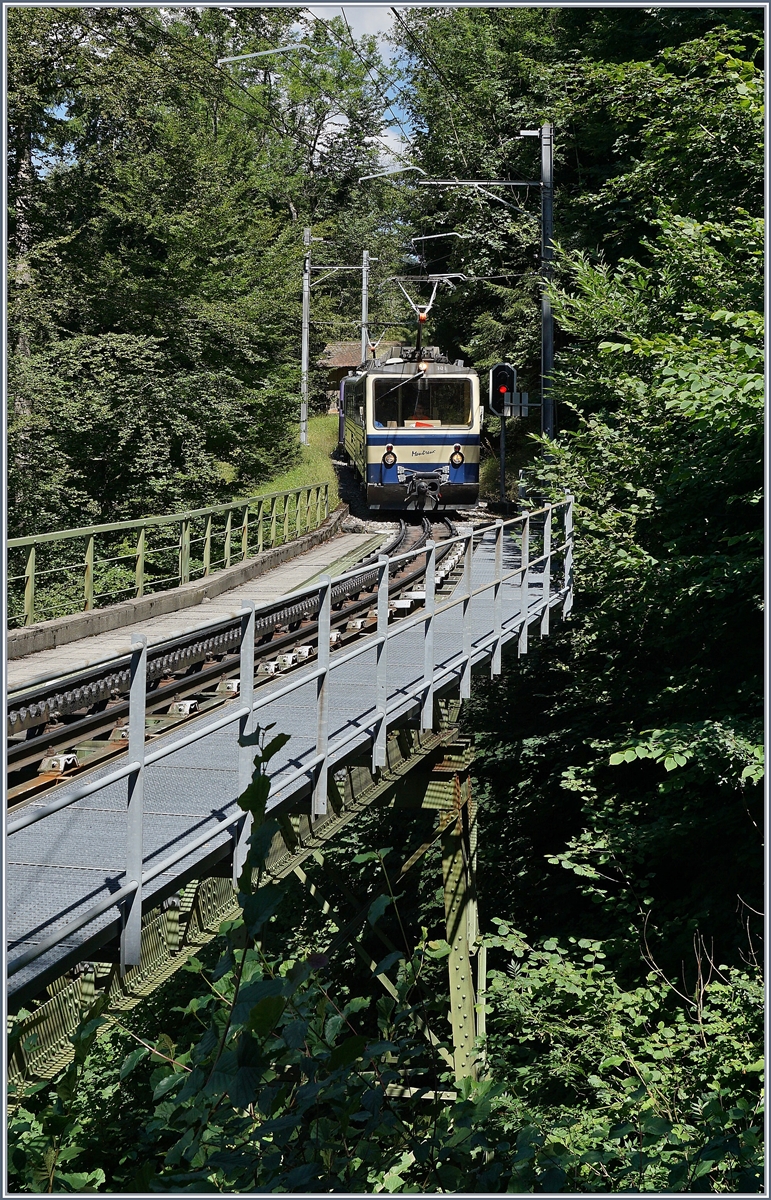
(113, 870)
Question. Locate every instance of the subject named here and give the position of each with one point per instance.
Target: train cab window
(416, 401)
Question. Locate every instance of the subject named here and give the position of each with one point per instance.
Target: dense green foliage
(639, 729)
(649, 108)
(283, 1073)
(618, 764)
(156, 210)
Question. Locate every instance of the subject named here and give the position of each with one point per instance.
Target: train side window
(354, 399)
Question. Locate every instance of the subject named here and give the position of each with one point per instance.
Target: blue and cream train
(410, 425)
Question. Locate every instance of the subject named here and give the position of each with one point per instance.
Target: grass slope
(315, 464)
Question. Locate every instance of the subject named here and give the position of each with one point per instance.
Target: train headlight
(389, 458)
(456, 458)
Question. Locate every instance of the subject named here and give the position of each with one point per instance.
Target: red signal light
(503, 389)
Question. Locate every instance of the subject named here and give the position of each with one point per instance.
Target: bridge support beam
(459, 851)
(245, 752)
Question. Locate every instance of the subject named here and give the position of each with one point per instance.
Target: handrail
(187, 514)
(265, 521)
(515, 623)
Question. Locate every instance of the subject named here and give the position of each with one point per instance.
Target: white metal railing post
(495, 662)
(381, 700)
(139, 564)
(319, 801)
(207, 546)
(427, 710)
(468, 558)
(260, 531)
(524, 585)
(568, 581)
(245, 753)
(131, 936)
(184, 551)
(546, 570)
(245, 533)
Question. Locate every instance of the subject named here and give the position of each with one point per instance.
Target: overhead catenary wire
(227, 75)
(171, 39)
(451, 90)
(388, 83)
(218, 98)
(212, 66)
(449, 110)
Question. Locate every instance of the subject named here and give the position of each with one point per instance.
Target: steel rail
(28, 752)
(282, 610)
(29, 707)
(228, 625)
(161, 752)
(24, 753)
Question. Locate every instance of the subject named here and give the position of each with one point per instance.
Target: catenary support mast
(305, 359)
(547, 254)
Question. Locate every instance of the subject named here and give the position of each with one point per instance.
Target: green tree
(157, 205)
(648, 109)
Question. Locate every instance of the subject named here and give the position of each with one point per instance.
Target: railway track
(61, 728)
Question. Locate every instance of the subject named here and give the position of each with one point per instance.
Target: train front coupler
(423, 488)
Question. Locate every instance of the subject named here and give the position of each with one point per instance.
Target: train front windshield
(417, 400)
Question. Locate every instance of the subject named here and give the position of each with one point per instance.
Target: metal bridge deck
(68, 861)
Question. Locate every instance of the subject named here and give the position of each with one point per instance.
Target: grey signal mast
(546, 134)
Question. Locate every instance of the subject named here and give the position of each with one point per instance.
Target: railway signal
(505, 401)
(503, 387)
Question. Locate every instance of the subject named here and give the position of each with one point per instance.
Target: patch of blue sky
(43, 162)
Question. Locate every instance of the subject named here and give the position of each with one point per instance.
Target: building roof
(341, 354)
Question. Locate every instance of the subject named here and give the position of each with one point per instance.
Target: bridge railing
(75, 570)
(544, 576)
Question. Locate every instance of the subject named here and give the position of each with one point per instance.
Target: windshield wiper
(409, 379)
